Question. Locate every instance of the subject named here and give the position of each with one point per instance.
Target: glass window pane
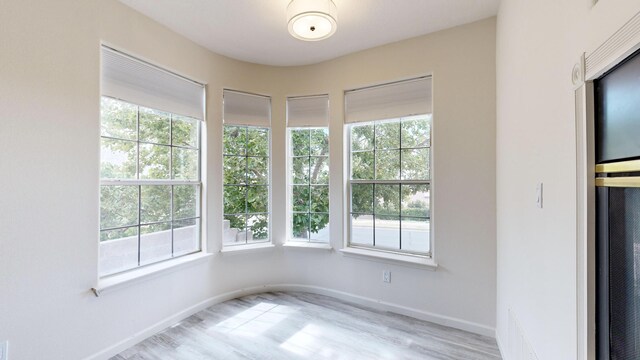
(300, 142)
(233, 225)
(257, 199)
(388, 135)
(416, 133)
(319, 171)
(235, 170)
(118, 119)
(362, 137)
(387, 200)
(118, 206)
(120, 253)
(235, 199)
(118, 159)
(184, 131)
(300, 225)
(155, 126)
(185, 164)
(154, 161)
(185, 201)
(155, 243)
(361, 229)
(388, 164)
(362, 165)
(258, 170)
(415, 200)
(186, 237)
(319, 198)
(300, 170)
(257, 142)
(258, 228)
(122, 233)
(387, 232)
(415, 234)
(362, 198)
(415, 164)
(300, 198)
(319, 141)
(155, 202)
(319, 226)
(235, 140)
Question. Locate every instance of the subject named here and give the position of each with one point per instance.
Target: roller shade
(132, 80)
(308, 111)
(246, 109)
(388, 101)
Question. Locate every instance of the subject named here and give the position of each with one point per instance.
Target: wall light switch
(539, 195)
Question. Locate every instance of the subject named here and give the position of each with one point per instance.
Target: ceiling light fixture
(312, 20)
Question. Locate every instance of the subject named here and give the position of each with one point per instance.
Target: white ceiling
(256, 30)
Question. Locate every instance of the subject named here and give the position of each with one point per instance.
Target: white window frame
(371, 250)
(290, 238)
(160, 182)
(269, 241)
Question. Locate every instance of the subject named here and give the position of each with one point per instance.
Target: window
(309, 190)
(246, 184)
(150, 188)
(389, 181)
(308, 168)
(246, 142)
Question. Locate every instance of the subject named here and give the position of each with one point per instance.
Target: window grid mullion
(309, 185)
(400, 191)
(246, 188)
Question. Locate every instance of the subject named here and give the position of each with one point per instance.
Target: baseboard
(501, 347)
(362, 300)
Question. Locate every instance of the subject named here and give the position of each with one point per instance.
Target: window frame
(269, 240)
(349, 181)
(289, 184)
(139, 183)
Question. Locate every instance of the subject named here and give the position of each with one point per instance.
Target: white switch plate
(4, 350)
(386, 277)
(539, 195)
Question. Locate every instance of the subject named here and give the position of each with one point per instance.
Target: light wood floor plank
(294, 325)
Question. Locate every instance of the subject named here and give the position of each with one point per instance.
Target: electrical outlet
(4, 350)
(386, 276)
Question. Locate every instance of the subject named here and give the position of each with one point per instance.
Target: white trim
(345, 296)
(292, 244)
(112, 282)
(388, 257)
(247, 248)
(501, 348)
(620, 45)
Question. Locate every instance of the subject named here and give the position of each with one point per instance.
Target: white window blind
(388, 101)
(246, 109)
(308, 111)
(135, 81)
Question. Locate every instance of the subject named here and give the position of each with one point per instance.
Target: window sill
(249, 248)
(115, 281)
(307, 245)
(394, 258)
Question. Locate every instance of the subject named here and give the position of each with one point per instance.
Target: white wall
(538, 44)
(49, 155)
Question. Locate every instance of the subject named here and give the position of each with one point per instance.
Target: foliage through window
(150, 186)
(309, 179)
(390, 184)
(246, 184)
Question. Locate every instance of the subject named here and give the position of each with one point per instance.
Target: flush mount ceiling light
(312, 20)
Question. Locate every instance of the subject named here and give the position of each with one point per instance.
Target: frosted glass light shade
(312, 20)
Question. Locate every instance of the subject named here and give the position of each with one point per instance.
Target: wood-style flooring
(295, 325)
